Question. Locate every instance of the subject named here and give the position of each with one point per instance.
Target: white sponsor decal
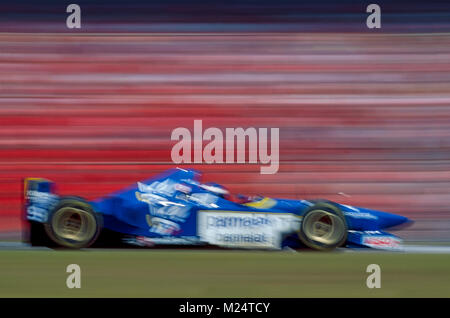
(160, 206)
(306, 202)
(41, 198)
(361, 215)
(205, 199)
(39, 205)
(246, 230)
(351, 207)
(163, 226)
(37, 214)
(166, 187)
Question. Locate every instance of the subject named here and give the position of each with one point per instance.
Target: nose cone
(387, 220)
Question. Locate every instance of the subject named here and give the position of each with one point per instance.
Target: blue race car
(175, 208)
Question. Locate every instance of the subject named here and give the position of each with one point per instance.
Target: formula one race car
(175, 208)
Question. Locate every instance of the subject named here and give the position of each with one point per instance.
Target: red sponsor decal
(381, 241)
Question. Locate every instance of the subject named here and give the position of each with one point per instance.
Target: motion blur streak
(363, 113)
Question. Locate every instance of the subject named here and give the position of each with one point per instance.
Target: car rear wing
(38, 198)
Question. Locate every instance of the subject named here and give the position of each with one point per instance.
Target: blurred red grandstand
(357, 114)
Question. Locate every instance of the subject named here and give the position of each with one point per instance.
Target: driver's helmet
(217, 189)
(223, 192)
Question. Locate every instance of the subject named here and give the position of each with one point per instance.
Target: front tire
(73, 223)
(323, 227)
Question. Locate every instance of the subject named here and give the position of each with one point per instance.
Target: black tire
(323, 227)
(73, 223)
(36, 235)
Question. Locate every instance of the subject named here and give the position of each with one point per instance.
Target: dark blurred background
(364, 114)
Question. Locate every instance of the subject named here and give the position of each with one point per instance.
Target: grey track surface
(411, 249)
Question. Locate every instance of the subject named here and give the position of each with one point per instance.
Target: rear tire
(73, 223)
(323, 227)
(36, 235)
